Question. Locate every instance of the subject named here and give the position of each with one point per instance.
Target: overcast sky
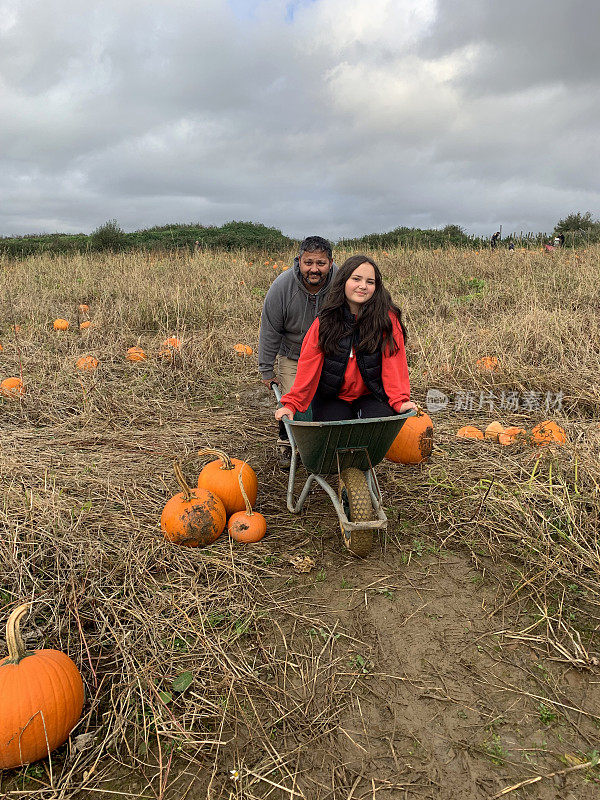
(332, 117)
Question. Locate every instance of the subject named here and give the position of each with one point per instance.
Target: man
(291, 305)
(494, 240)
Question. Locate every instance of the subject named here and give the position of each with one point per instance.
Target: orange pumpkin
(83, 308)
(246, 526)
(1, 348)
(510, 434)
(170, 347)
(88, 363)
(493, 430)
(193, 517)
(243, 349)
(470, 432)
(41, 698)
(135, 354)
(414, 442)
(12, 387)
(221, 477)
(61, 324)
(85, 325)
(488, 363)
(548, 433)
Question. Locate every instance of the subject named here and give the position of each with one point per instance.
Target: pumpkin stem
(249, 511)
(14, 640)
(212, 451)
(183, 485)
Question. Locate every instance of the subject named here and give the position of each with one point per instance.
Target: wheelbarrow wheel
(354, 493)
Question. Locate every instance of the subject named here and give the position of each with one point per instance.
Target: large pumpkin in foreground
(221, 477)
(414, 442)
(193, 517)
(41, 697)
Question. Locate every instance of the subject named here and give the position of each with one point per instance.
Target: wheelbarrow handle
(276, 391)
(286, 420)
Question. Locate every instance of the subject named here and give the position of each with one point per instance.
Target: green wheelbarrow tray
(327, 448)
(350, 449)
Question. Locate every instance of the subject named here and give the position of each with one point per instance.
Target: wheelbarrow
(352, 449)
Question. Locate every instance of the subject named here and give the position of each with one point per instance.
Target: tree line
(578, 228)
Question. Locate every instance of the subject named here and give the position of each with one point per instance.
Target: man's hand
(284, 411)
(268, 381)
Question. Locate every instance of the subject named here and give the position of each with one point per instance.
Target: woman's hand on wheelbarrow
(407, 406)
(284, 411)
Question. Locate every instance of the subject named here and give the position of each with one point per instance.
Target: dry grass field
(459, 660)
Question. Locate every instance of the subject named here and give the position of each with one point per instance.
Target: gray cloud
(343, 117)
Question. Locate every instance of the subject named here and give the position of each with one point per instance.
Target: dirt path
(409, 682)
(444, 707)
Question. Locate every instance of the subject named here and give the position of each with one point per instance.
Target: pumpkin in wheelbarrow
(414, 442)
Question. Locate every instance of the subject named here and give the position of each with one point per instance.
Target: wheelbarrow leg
(296, 508)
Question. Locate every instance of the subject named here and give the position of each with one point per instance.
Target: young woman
(352, 363)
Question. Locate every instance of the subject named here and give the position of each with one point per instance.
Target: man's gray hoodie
(288, 312)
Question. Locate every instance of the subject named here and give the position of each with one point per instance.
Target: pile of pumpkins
(226, 492)
(41, 693)
(548, 432)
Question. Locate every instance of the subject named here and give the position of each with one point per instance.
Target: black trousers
(282, 432)
(332, 408)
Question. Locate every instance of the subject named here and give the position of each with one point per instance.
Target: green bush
(579, 229)
(109, 236)
(415, 237)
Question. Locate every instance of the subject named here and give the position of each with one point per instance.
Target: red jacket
(394, 373)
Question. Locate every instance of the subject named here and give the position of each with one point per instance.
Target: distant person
(353, 362)
(291, 305)
(511, 246)
(556, 241)
(494, 241)
(561, 237)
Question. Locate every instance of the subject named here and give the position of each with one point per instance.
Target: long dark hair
(373, 321)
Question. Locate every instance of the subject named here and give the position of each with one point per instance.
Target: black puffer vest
(334, 366)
